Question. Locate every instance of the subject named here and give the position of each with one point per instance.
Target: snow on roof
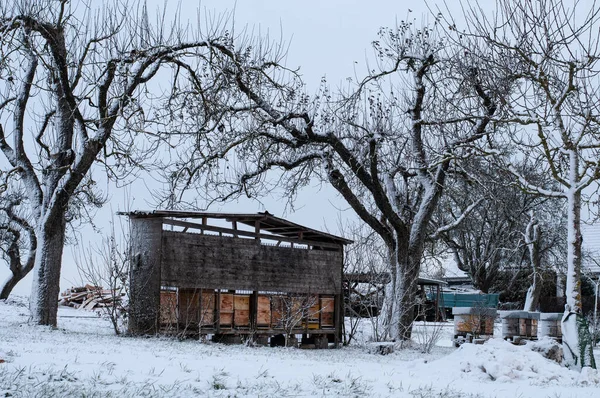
(443, 267)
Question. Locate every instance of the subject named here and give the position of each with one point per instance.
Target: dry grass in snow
(83, 358)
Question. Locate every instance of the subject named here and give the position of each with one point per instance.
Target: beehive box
(168, 307)
(241, 310)
(207, 308)
(327, 312)
(313, 314)
(550, 325)
(473, 321)
(189, 307)
(519, 324)
(263, 315)
(528, 328)
(226, 310)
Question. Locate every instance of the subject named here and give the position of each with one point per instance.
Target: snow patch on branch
(456, 223)
(390, 187)
(534, 188)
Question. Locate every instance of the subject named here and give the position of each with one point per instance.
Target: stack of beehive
(89, 297)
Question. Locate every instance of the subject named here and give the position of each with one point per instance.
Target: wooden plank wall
(205, 261)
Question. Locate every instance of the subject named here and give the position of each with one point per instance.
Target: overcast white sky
(330, 38)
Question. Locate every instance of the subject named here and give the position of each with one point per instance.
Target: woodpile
(90, 297)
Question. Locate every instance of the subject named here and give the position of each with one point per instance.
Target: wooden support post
(234, 227)
(338, 316)
(200, 313)
(254, 311)
(339, 305)
(437, 304)
(257, 230)
(218, 310)
(306, 315)
(177, 309)
(320, 311)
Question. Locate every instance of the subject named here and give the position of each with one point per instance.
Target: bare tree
(428, 334)
(550, 50)
(291, 310)
(489, 245)
(366, 275)
(75, 90)
(488, 240)
(106, 268)
(385, 144)
(12, 243)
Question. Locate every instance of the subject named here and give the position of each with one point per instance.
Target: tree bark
(577, 339)
(390, 298)
(45, 290)
(408, 275)
(401, 294)
(17, 272)
(9, 285)
(533, 239)
(574, 240)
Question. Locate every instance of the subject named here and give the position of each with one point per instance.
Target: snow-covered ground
(83, 358)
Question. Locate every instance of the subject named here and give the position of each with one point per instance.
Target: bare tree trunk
(532, 299)
(577, 340)
(390, 305)
(400, 295)
(9, 285)
(481, 279)
(409, 280)
(574, 240)
(43, 302)
(399, 306)
(18, 268)
(17, 272)
(532, 239)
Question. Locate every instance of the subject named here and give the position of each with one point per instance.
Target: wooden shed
(233, 275)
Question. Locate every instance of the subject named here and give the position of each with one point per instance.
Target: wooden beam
(222, 230)
(254, 310)
(268, 331)
(201, 312)
(290, 229)
(218, 311)
(338, 305)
